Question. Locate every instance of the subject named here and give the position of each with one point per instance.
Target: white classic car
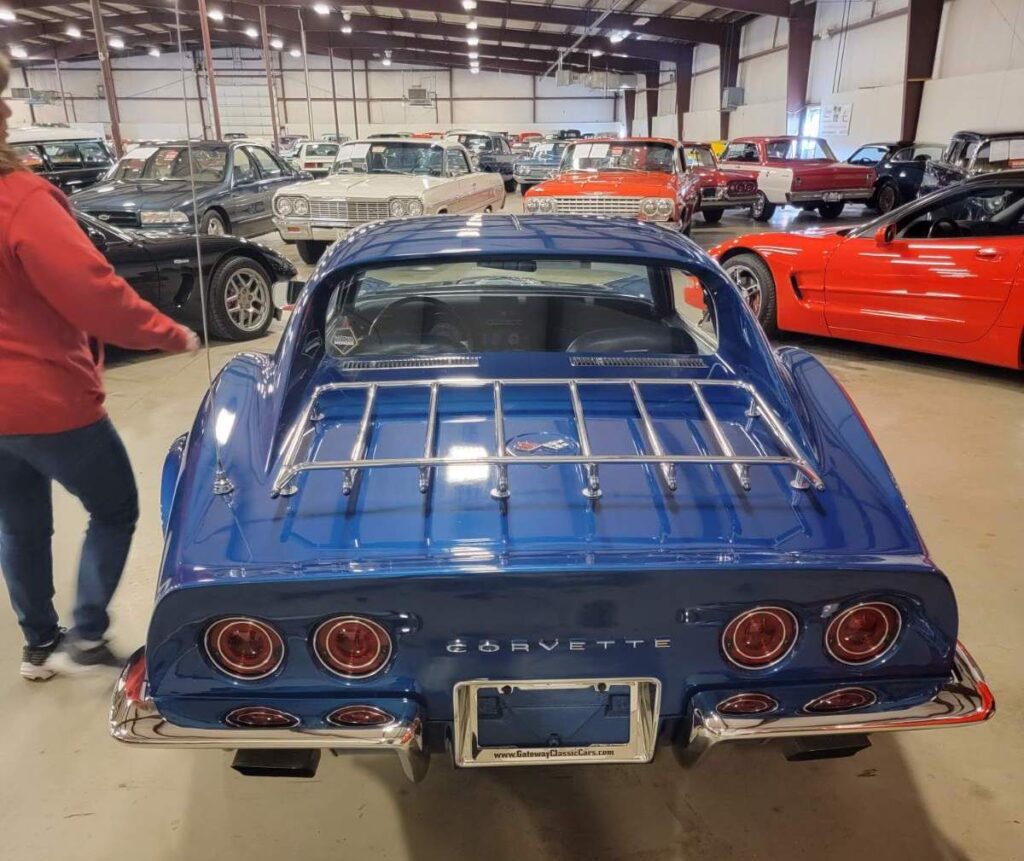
(381, 179)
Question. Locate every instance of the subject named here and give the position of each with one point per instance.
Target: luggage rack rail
(805, 472)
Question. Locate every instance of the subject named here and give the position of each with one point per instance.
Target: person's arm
(65, 268)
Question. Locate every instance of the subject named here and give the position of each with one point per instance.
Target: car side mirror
(885, 234)
(97, 238)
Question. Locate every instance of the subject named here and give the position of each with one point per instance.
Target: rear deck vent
(402, 364)
(636, 362)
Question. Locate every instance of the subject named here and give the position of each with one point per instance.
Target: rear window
(325, 150)
(741, 152)
(799, 149)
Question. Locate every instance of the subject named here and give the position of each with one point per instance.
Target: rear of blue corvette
(534, 491)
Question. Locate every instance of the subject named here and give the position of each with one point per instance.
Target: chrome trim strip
(965, 699)
(644, 714)
(135, 719)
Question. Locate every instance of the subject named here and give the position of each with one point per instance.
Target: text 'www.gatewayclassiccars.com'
(554, 753)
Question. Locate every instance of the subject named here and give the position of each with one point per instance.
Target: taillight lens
(244, 648)
(863, 633)
(747, 704)
(842, 700)
(760, 637)
(256, 717)
(352, 647)
(359, 716)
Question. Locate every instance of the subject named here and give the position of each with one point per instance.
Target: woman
(56, 292)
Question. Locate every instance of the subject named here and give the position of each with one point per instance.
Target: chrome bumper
(135, 719)
(844, 194)
(300, 229)
(965, 699)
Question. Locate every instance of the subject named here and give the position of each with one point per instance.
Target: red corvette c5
(943, 274)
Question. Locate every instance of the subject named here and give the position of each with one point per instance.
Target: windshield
(410, 158)
(164, 163)
(699, 156)
(548, 151)
(509, 304)
(799, 149)
(626, 155)
(476, 143)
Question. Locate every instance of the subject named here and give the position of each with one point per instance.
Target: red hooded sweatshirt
(57, 291)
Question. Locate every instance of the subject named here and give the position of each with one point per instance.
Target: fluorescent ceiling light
(474, 62)
(617, 36)
(473, 55)
(473, 40)
(215, 15)
(276, 44)
(471, 24)
(469, 5)
(386, 61)
(251, 32)
(596, 53)
(346, 29)
(322, 9)
(346, 15)
(18, 52)
(74, 32)
(295, 52)
(639, 22)
(116, 43)
(475, 70)
(154, 52)
(7, 15)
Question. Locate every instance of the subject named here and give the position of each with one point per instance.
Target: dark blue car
(899, 170)
(151, 188)
(532, 491)
(541, 164)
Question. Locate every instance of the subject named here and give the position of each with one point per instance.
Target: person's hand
(193, 344)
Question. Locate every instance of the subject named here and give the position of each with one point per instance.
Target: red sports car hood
(616, 182)
(822, 239)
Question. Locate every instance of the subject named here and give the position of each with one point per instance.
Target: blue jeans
(92, 464)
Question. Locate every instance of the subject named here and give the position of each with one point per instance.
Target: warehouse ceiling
(625, 36)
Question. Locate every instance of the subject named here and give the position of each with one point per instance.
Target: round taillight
(842, 700)
(747, 704)
(863, 633)
(359, 716)
(257, 717)
(244, 648)
(760, 637)
(352, 647)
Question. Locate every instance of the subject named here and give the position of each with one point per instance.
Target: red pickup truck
(799, 171)
(720, 188)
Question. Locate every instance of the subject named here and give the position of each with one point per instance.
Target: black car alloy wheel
(241, 302)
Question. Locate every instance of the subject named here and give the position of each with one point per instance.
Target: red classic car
(941, 274)
(720, 188)
(631, 177)
(799, 171)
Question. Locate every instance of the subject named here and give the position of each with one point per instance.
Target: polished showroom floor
(954, 436)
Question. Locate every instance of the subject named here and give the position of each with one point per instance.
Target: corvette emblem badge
(540, 443)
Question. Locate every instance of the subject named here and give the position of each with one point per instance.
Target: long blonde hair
(9, 159)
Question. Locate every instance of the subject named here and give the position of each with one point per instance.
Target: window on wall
(812, 121)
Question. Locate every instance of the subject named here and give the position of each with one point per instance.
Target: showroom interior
(809, 222)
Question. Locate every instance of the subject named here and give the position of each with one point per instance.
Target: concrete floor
(954, 436)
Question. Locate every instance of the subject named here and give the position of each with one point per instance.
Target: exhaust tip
(805, 748)
(277, 763)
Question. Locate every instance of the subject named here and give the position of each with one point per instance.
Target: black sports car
(247, 283)
(151, 187)
(899, 170)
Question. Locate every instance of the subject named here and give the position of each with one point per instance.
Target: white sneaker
(37, 663)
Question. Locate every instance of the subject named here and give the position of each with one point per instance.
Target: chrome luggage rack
(806, 475)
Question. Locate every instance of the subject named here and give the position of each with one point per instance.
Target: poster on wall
(835, 120)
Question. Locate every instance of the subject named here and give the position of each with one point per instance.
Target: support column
(60, 86)
(199, 97)
(923, 22)
(270, 79)
(334, 92)
(305, 72)
(103, 53)
(652, 80)
(684, 86)
(211, 78)
(629, 108)
(355, 104)
(533, 85)
(728, 70)
(798, 68)
(31, 107)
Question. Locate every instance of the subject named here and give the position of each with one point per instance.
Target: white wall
(151, 101)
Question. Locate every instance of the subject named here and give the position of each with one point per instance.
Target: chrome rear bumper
(965, 699)
(135, 719)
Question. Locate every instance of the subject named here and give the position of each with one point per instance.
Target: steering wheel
(953, 227)
(439, 325)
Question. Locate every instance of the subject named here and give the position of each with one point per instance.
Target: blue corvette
(534, 490)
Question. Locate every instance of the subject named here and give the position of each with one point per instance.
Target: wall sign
(835, 120)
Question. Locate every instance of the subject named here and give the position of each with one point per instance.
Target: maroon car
(721, 188)
(799, 171)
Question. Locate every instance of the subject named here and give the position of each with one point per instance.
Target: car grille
(118, 219)
(349, 210)
(595, 204)
(741, 188)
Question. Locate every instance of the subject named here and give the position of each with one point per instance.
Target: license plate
(832, 197)
(622, 725)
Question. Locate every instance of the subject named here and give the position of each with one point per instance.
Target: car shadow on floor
(741, 802)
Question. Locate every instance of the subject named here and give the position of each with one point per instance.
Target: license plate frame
(833, 196)
(644, 714)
